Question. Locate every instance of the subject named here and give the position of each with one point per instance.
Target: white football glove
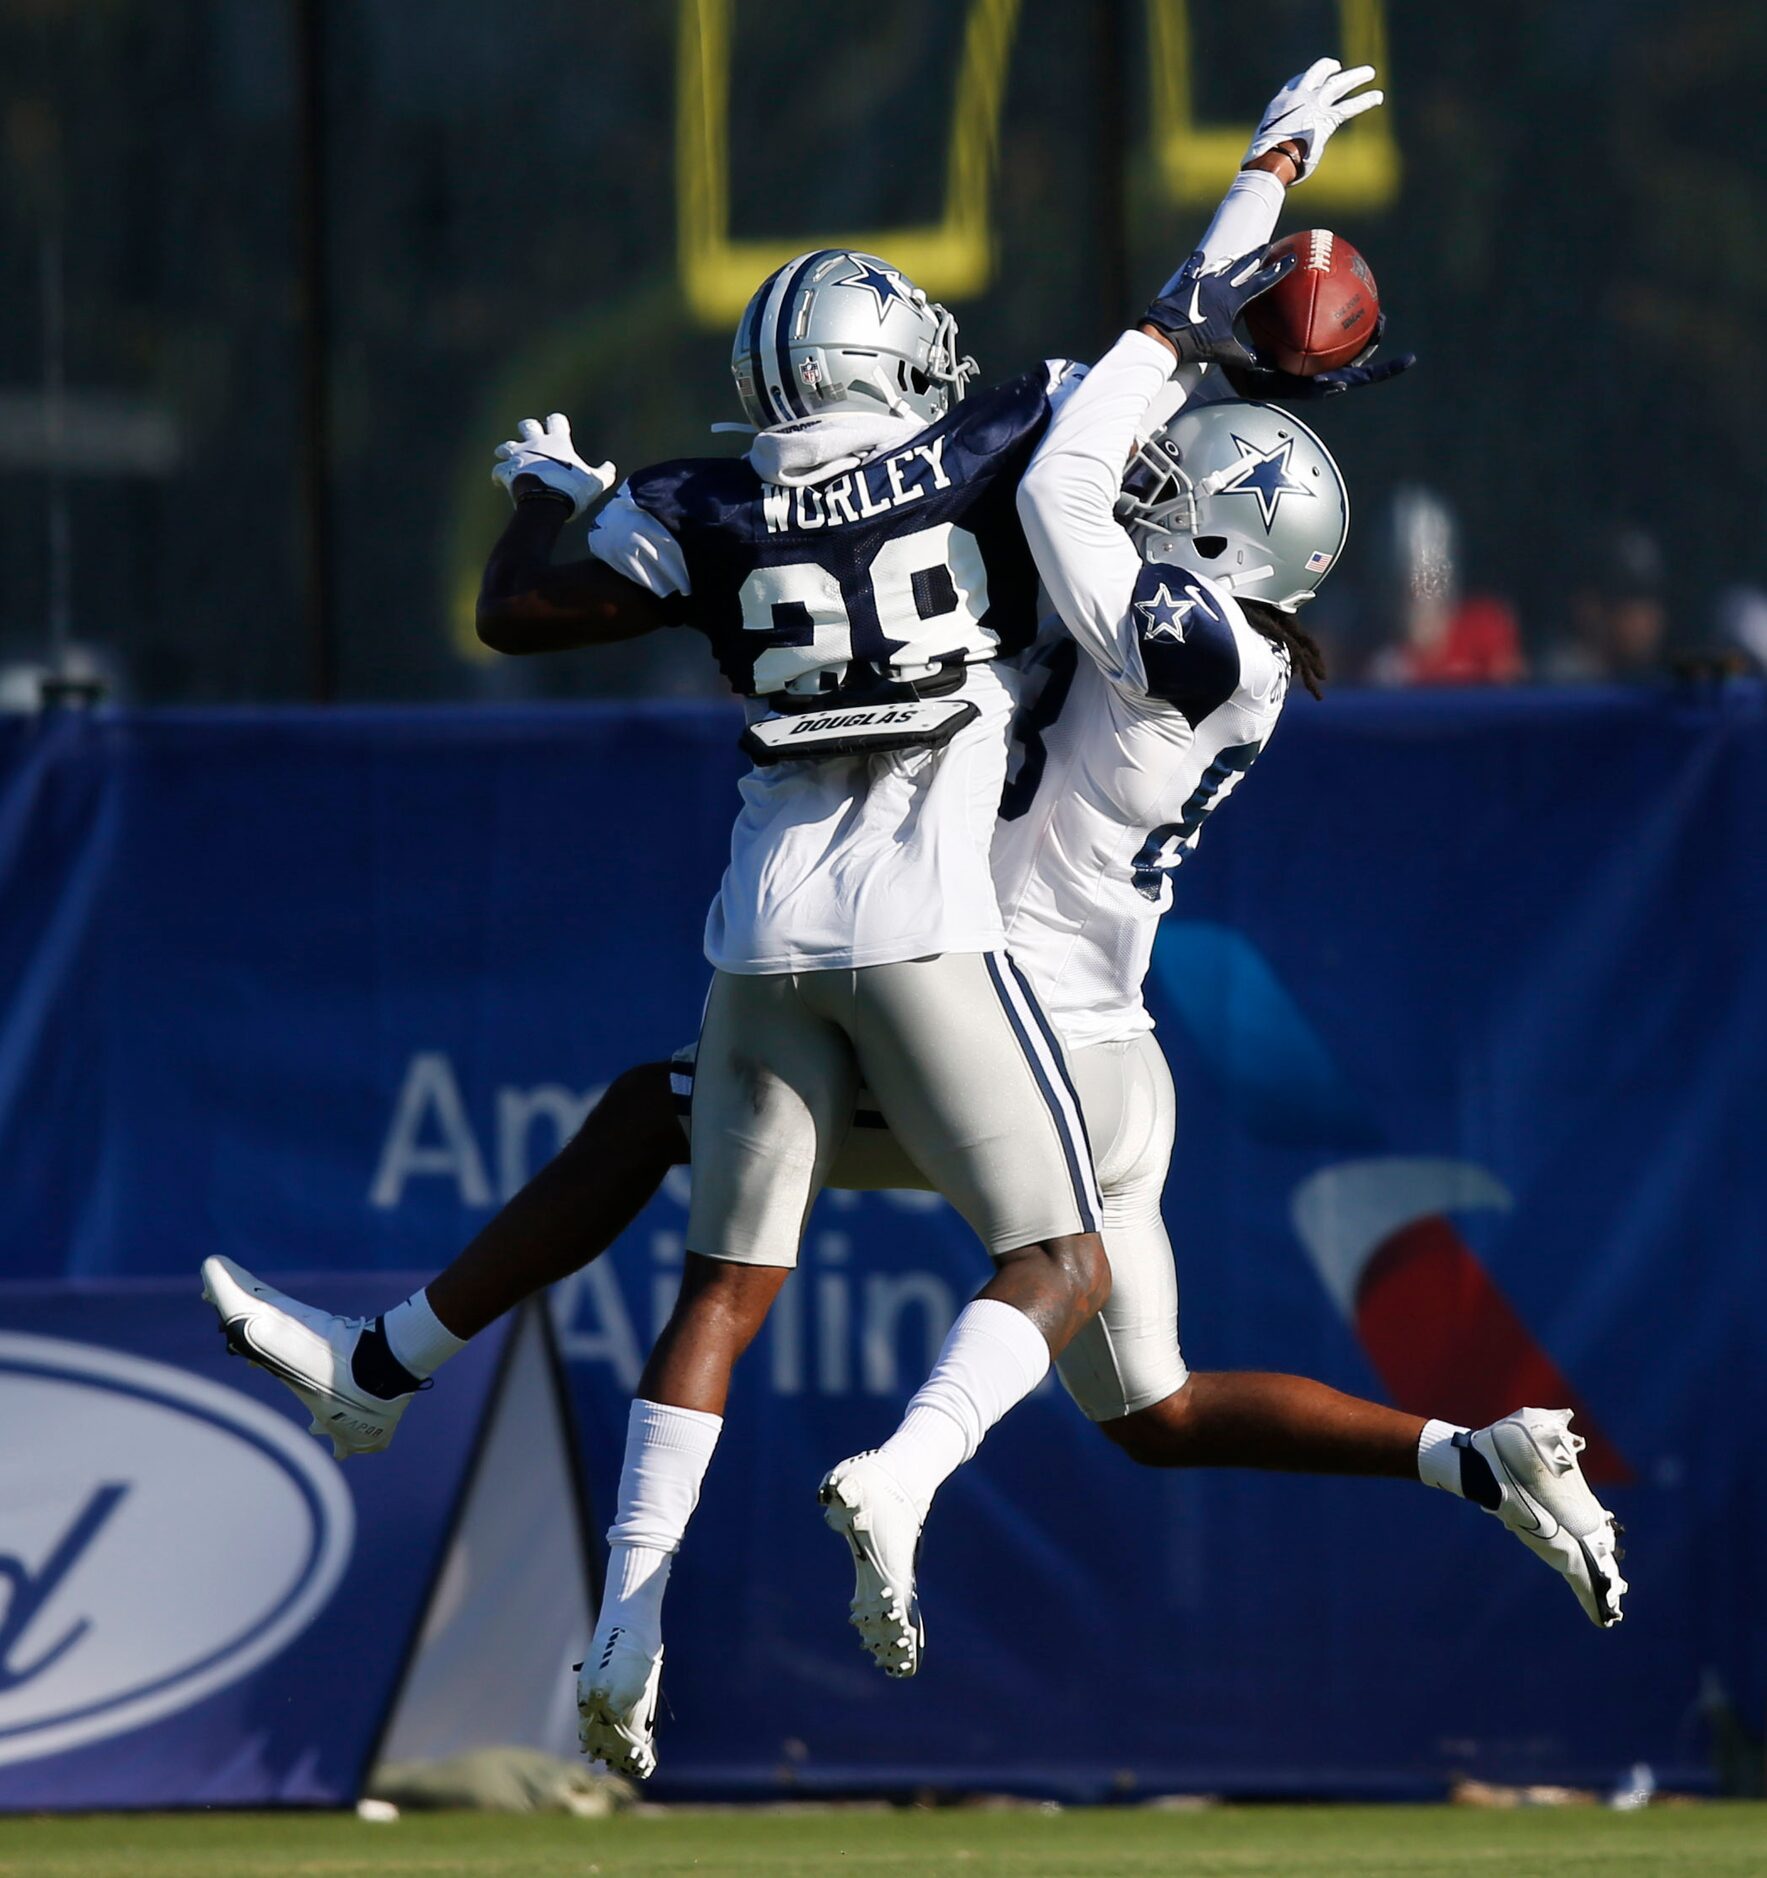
(1310, 107)
(546, 451)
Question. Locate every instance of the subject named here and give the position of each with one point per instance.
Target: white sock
(994, 1357)
(667, 1453)
(1438, 1459)
(417, 1337)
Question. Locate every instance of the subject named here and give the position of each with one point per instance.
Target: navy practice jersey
(913, 560)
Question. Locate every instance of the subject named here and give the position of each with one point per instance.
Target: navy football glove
(1265, 384)
(1196, 308)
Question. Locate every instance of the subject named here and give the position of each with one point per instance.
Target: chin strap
(898, 405)
(1165, 553)
(1217, 480)
(1233, 582)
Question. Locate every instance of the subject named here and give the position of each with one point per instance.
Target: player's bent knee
(1083, 1257)
(1155, 1436)
(646, 1091)
(1075, 1264)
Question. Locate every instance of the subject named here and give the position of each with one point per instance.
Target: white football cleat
(1547, 1504)
(616, 1703)
(308, 1350)
(871, 1509)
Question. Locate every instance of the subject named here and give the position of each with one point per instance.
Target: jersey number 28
(929, 590)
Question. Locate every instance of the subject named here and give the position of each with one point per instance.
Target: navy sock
(376, 1369)
(1477, 1481)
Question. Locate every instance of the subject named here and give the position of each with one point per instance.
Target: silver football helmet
(838, 331)
(1243, 493)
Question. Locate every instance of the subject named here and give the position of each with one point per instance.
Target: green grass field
(1287, 1842)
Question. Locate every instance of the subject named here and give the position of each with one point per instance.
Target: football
(1322, 312)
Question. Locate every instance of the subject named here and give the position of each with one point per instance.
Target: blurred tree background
(278, 274)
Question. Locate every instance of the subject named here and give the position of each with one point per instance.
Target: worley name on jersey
(871, 490)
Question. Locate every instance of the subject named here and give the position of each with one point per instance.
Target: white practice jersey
(856, 861)
(907, 553)
(1114, 775)
(1139, 719)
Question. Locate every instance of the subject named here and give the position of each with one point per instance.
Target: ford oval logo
(160, 1536)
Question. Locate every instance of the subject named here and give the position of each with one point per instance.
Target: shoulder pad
(1184, 627)
(692, 489)
(1005, 415)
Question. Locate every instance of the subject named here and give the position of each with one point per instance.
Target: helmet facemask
(943, 365)
(1156, 497)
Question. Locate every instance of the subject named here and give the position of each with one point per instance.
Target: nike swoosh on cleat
(239, 1338)
(265, 1359)
(238, 1334)
(1514, 1490)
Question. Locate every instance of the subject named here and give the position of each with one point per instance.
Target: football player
(1127, 1371)
(857, 573)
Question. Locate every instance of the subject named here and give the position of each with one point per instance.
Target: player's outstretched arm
(526, 604)
(1067, 499)
(1285, 149)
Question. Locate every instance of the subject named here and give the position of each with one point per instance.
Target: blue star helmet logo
(1264, 474)
(1164, 617)
(884, 282)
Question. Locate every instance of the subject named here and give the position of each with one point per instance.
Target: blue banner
(1466, 996)
(201, 1607)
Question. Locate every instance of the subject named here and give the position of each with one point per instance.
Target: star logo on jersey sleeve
(1264, 474)
(884, 282)
(1163, 616)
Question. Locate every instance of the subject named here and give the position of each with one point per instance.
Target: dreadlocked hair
(1304, 655)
